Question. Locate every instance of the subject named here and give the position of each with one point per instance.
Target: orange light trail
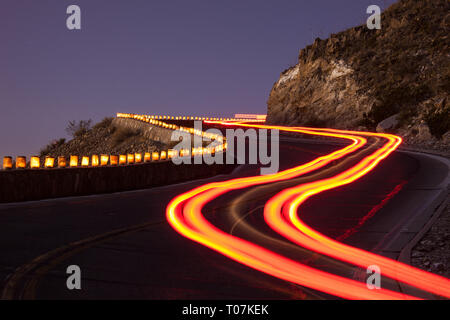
(185, 216)
(281, 214)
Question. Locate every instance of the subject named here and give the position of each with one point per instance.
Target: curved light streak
(184, 214)
(281, 213)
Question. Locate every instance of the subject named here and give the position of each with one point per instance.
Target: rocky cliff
(358, 78)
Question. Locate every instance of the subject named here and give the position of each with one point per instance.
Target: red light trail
(372, 212)
(184, 213)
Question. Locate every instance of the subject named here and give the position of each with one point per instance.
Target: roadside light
(172, 153)
(122, 159)
(155, 156)
(104, 158)
(138, 157)
(163, 155)
(21, 162)
(7, 163)
(130, 158)
(49, 162)
(35, 162)
(85, 161)
(114, 160)
(73, 161)
(186, 152)
(62, 162)
(95, 161)
(147, 157)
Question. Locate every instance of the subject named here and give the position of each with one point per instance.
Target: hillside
(103, 138)
(359, 77)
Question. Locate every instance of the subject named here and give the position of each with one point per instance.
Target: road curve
(126, 249)
(184, 214)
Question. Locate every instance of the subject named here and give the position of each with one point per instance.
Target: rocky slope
(106, 137)
(433, 251)
(360, 77)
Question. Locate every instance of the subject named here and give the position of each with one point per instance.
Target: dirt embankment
(432, 253)
(104, 138)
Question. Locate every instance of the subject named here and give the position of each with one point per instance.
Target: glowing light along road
(185, 216)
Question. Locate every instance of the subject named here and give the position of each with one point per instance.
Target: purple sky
(183, 57)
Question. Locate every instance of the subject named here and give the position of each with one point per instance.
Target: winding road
(339, 204)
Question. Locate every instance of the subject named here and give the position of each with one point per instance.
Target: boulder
(388, 124)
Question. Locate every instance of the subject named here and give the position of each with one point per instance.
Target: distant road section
(261, 117)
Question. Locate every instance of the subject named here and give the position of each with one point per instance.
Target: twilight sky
(174, 57)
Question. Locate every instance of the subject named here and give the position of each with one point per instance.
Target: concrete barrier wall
(27, 185)
(149, 131)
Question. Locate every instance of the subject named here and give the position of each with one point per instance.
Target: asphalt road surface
(127, 250)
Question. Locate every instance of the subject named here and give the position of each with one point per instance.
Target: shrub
(78, 129)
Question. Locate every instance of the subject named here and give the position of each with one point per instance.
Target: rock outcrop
(360, 77)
